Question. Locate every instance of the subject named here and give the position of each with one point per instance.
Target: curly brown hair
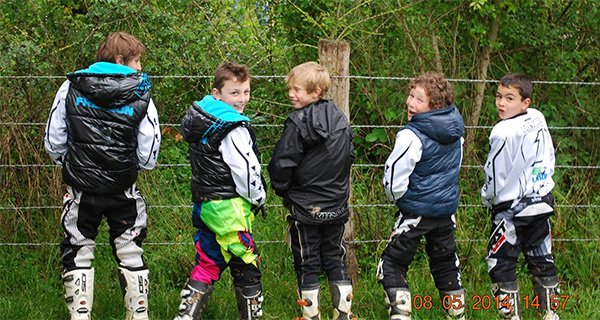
(437, 89)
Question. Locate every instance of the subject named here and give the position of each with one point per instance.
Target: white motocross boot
(454, 304)
(309, 301)
(398, 303)
(341, 297)
(134, 286)
(547, 292)
(79, 293)
(508, 299)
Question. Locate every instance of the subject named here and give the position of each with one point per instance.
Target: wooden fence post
(334, 55)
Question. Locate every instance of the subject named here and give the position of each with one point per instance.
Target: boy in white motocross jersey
(517, 189)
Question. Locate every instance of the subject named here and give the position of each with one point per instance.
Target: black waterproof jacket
(311, 163)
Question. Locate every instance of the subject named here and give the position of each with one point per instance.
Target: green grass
(30, 285)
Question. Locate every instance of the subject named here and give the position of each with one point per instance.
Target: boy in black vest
(421, 178)
(310, 170)
(102, 130)
(227, 187)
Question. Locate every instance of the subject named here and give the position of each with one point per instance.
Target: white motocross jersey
(521, 160)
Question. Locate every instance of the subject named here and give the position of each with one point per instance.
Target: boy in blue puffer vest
(102, 130)
(421, 178)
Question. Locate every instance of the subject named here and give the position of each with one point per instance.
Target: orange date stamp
(485, 302)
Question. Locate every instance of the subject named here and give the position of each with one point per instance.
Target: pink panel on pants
(205, 270)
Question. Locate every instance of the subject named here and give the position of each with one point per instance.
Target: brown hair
(519, 81)
(230, 71)
(119, 44)
(310, 75)
(437, 89)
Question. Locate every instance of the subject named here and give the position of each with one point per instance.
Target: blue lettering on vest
(82, 101)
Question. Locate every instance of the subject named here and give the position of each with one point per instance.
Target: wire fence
(366, 165)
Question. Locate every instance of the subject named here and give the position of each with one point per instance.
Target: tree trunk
(482, 68)
(335, 57)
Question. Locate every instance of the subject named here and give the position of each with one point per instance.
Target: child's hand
(287, 203)
(256, 209)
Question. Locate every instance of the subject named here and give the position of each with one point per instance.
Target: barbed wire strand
(579, 83)
(372, 205)
(279, 125)
(38, 244)
(357, 165)
(360, 126)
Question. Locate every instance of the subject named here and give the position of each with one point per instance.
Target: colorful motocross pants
(404, 242)
(224, 239)
(126, 217)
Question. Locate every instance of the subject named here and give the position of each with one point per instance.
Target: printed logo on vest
(84, 102)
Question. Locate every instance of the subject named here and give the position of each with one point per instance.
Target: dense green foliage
(551, 40)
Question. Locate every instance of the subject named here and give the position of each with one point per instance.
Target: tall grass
(30, 285)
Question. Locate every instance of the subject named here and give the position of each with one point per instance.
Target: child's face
(135, 63)
(417, 101)
(509, 102)
(234, 93)
(300, 97)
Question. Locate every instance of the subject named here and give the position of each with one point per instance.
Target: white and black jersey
(521, 160)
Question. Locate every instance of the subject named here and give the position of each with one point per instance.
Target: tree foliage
(472, 42)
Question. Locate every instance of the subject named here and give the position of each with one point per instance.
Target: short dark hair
(437, 89)
(519, 81)
(119, 44)
(229, 71)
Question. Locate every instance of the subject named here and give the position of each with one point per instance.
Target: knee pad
(130, 256)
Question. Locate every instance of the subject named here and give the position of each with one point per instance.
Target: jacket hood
(109, 85)
(208, 117)
(443, 125)
(319, 120)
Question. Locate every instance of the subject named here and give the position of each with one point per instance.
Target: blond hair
(311, 76)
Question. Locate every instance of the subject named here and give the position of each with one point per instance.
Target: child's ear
(216, 94)
(119, 60)
(318, 91)
(526, 104)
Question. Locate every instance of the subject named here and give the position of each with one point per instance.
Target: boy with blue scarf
(102, 130)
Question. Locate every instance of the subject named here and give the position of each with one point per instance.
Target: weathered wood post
(334, 55)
